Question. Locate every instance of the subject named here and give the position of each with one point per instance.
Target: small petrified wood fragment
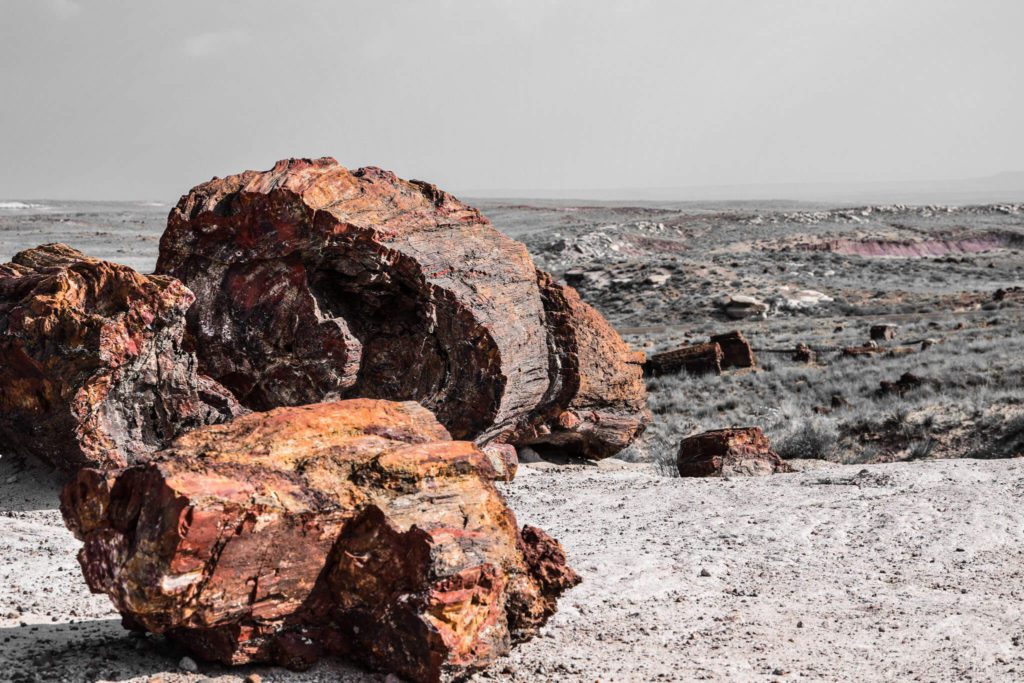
(736, 351)
(92, 367)
(315, 282)
(883, 332)
(697, 359)
(728, 452)
(804, 354)
(356, 528)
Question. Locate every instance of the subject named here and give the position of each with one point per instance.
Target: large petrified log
(92, 367)
(316, 282)
(728, 452)
(356, 528)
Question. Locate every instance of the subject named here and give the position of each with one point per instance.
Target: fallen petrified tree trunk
(355, 528)
(697, 359)
(316, 282)
(92, 368)
(728, 452)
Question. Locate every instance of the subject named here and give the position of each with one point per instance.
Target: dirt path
(911, 571)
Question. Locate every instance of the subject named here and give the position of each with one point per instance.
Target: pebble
(188, 664)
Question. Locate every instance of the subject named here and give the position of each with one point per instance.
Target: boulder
(355, 528)
(728, 452)
(740, 306)
(315, 282)
(736, 351)
(93, 368)
(696, 359)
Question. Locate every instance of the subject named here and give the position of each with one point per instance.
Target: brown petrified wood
(316, 282)
(92, 367)
(883, 332)
(356, 528)
(728, 452)
(736, 351)
(867, 351)
(804, 354)
(697, 359)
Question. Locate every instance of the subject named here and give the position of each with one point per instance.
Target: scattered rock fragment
(883, 332)
(907, 382)
(316, 282)
(93, 369)
(355, 528)
(804, 354)
(728, 452)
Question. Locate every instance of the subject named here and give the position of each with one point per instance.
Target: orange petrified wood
(93, 370)
(356, 528)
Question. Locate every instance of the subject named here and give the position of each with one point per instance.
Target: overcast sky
(134, 99)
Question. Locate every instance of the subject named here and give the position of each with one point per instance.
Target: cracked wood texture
(356, 528)
(316, 282)
(92, 366)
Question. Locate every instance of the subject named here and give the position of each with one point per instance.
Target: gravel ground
(909, 571)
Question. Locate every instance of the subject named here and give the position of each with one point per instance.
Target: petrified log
(356, 528)
(697, 359)
(92, 367)
(736, 351)
(867, 351)
(316, 282)
(728, 452)
(883, 332)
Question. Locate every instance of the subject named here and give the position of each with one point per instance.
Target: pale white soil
(910, 571)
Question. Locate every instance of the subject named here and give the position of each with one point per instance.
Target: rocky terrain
(905, 571)
(893, 552)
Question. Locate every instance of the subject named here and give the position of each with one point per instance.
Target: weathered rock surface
(356, 528)
(740, 306)
(728, 452)
(736, 351)
(316, 282)
(92, 366)
(697, 359)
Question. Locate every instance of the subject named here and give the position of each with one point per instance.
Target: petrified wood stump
(356, 528)
(736, 351)
(316, 282)
(697, 359)
(92, 368)
(728, 452)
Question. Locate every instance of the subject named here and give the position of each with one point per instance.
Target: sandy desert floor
(905, 571)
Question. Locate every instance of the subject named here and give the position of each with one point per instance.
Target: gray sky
(134, 99)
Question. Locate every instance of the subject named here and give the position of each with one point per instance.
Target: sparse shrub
(810, 438)
(919, 450)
